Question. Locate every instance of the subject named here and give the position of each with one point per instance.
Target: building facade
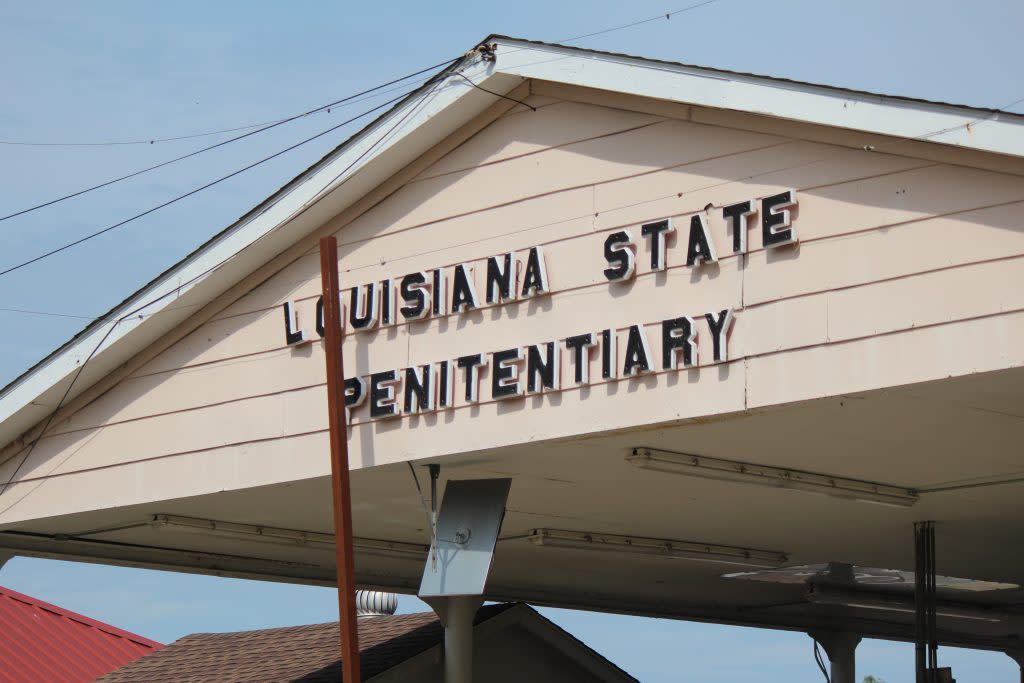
(714, 326)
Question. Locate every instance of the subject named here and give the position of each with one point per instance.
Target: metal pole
(933, 636)
(456, 615)
(841, 648)
(344, 562)
(920, 663)
(925, 624)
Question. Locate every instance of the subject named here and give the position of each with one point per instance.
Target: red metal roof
(43, 642)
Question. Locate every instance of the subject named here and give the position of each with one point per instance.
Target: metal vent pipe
(375, 603)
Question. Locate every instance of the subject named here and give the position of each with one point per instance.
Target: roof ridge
(751, 74)
(80, 618)
(483, 614)
(300, 627)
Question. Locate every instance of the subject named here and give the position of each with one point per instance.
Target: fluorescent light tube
(684, 550)
(765, 475)
(283, 536)
(829, 595)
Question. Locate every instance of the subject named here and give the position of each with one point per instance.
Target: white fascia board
(371, 157)
(939, 123)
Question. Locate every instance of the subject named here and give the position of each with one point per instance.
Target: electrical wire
(271, 124)
(177, 288)
(135, 313)
(180, 197)
(47, 313)
(819, 660)
(496, 94)
(81, 368)
(52, 415)
(419, 491)
(330, 184)
(666, 15)
(351, 99)
(190, 136)
(148, 141)
(174, 290)
(326, 186)
(898, 141)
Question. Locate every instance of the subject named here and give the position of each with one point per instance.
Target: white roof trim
(434, 113)
(823, 105)
(404, 133)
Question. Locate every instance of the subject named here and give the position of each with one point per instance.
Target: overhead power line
(190, 136)
(148, 141)
(67, 392)
(47, 313)
(889, 147)
(345, 100)
(210, 184)
(666, 15)
(273, 124)
(137, 310)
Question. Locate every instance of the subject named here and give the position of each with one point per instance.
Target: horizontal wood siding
(908, 269)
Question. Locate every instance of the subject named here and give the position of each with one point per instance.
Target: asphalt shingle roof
(306, 654)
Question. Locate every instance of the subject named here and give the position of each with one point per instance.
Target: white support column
(841, 648)
(456, 615)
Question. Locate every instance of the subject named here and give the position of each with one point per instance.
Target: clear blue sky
(86, 72)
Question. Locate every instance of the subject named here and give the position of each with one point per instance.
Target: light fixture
(683, 550)
(870, 579)
(287, 536)
(890, 602)
(765, 475)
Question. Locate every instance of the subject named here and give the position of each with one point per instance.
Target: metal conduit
(926, 644)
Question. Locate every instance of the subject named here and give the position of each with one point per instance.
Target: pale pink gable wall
(900, 276)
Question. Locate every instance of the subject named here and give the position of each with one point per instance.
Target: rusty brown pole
(339, 460)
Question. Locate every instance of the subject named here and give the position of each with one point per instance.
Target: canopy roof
(447, 101)
(875, 358)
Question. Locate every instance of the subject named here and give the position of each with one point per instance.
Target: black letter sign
(535, 279)
(382, 394)
(619, 252)
(775, 221)
(719, 325)
(657, 231)
(419, 389)
(471, 364)
(362, 310)
(291, 335)
(678, 335)
(463, 293)
(505, 374)
(545, 368)
(499, 278)
(700, 244)
(416, 298)
(638, 352)
(736, 215)
(580, 346)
